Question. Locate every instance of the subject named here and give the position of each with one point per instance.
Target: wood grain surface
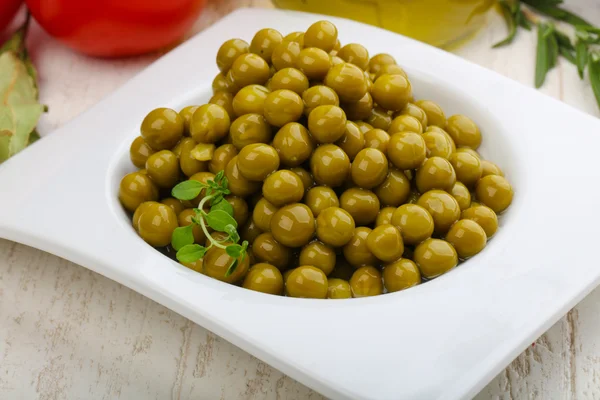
(68, 333)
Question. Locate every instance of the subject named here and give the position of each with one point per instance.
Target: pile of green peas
(343, 184)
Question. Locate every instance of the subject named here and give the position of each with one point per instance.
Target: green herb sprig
(220, 218)
(547, 52)
(551, 42)
(514, 17)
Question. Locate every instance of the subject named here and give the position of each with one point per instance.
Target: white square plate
(442, 340)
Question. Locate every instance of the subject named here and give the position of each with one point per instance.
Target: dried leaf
(16, 44)
(34, 137)
(31, 71)
(19, 108)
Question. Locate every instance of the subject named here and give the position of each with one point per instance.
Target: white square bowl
(442, 340)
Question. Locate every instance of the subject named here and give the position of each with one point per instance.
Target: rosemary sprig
(545, 56)
(594, 73)
(568, 55)
(551, 42)
(511, 15)
(581, 57)
(550, 8)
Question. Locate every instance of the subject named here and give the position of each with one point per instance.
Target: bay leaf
(16, 44)
(7, 127)
(34, 137)
(19, 108)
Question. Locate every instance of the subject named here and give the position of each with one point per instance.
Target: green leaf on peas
(222, 205)
(244, 247)
(187, 190)
(234, 236)
(234, 250)
(191, 253)
(219, 176)
(219, 219)
(182, 236)
(232, 268)
(218, 196)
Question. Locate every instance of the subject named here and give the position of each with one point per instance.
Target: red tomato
(8, 9)
(114, 28)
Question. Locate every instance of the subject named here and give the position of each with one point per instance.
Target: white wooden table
(68, 333)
